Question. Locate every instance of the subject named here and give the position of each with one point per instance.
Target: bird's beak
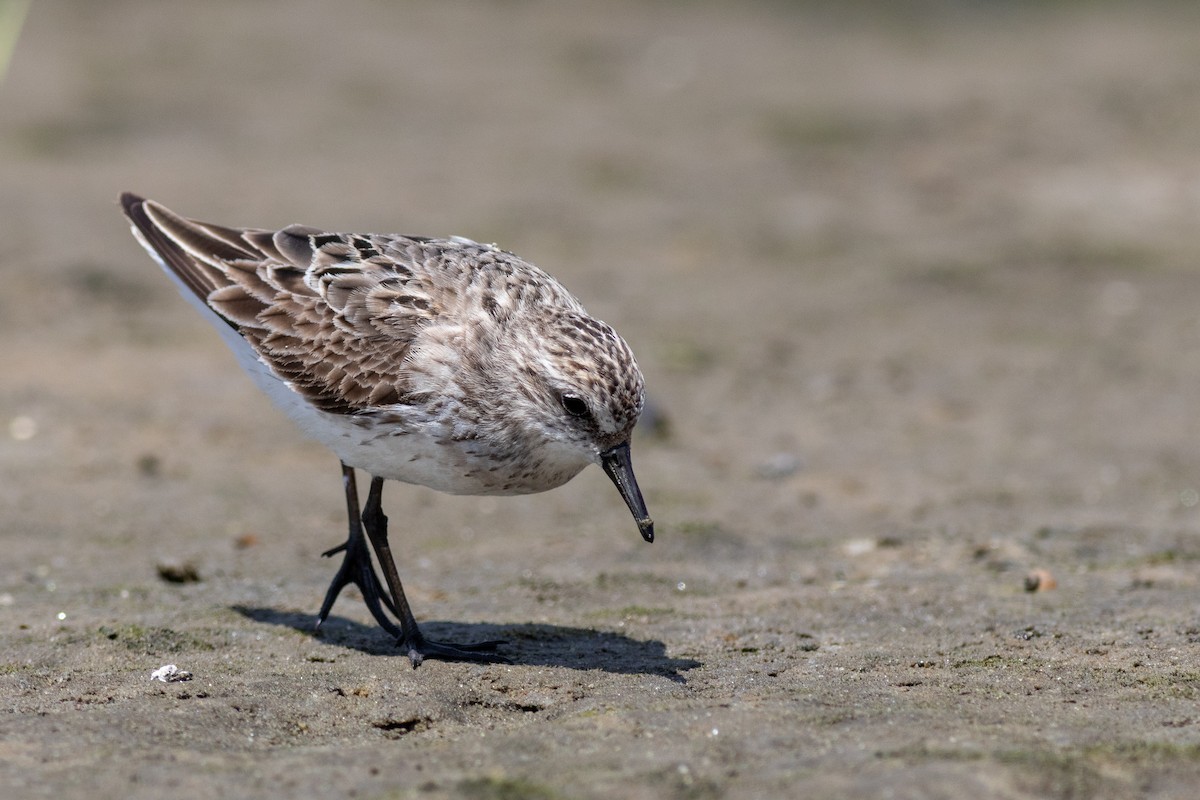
(619, 468)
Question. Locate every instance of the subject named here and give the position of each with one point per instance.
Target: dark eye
(574, 405)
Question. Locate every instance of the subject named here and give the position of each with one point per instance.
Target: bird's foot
(418, 648)
(357, 569)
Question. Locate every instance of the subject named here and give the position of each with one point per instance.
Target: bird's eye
(574, 405)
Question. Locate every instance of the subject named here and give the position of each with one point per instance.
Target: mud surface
(918, 304)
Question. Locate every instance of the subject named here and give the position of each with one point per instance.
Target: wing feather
(332, 315)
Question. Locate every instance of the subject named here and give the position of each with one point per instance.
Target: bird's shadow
(531, 644)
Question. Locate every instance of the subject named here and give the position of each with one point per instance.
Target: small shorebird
(440, 362)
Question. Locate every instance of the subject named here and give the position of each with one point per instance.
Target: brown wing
(332, 314)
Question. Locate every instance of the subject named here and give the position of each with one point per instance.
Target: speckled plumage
(440, 362)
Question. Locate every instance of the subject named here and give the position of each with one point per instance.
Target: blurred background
(914, 286)
(836, 234)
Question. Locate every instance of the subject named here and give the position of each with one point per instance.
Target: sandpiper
(440, 362)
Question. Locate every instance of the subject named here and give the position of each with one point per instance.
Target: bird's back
(333, 315)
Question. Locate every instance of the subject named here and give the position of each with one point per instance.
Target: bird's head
(578, 390)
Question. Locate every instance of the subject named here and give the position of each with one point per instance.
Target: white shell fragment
(169, 673)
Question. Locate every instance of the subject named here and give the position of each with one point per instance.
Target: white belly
(419, 450)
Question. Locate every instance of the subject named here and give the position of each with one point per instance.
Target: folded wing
(333, 315)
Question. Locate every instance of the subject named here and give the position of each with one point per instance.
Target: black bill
(619, 468)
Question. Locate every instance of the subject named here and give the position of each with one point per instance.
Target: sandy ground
(917, 302)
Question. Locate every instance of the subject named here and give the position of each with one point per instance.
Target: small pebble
(1040, 580)
(22, 428)
(178, 573)
(779, 465)
(245, 541)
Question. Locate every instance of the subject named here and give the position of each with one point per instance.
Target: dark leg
(411, 638)
(356, 566)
